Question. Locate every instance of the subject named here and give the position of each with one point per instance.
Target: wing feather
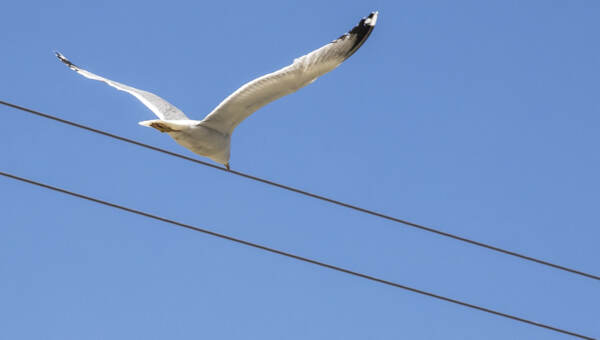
(161, 108)
(303, 71)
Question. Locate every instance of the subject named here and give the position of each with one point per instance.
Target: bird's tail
(169, 125)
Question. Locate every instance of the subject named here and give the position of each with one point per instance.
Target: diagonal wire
(309, 194)
(293, 256)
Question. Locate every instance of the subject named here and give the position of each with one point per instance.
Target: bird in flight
(211, 137)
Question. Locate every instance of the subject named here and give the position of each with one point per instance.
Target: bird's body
(211, 137)
(204, 141)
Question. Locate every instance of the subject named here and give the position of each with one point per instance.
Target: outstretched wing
(303, 71)
(161, 108)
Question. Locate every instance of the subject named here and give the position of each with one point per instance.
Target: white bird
(211, 137)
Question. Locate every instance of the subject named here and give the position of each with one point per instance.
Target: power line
(309, 194)
(293, 256)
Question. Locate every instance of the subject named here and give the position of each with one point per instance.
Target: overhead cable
(293, 256)
(309, 194)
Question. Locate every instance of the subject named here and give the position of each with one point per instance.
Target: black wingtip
(65, 60)
(372, 18)
(60, 56)
(361, 32)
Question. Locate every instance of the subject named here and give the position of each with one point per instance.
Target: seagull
(211, 137)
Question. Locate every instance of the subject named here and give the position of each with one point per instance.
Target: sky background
(478, 118)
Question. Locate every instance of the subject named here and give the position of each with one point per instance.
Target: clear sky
(479, 118)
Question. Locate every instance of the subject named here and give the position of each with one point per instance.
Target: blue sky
(477, 118)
